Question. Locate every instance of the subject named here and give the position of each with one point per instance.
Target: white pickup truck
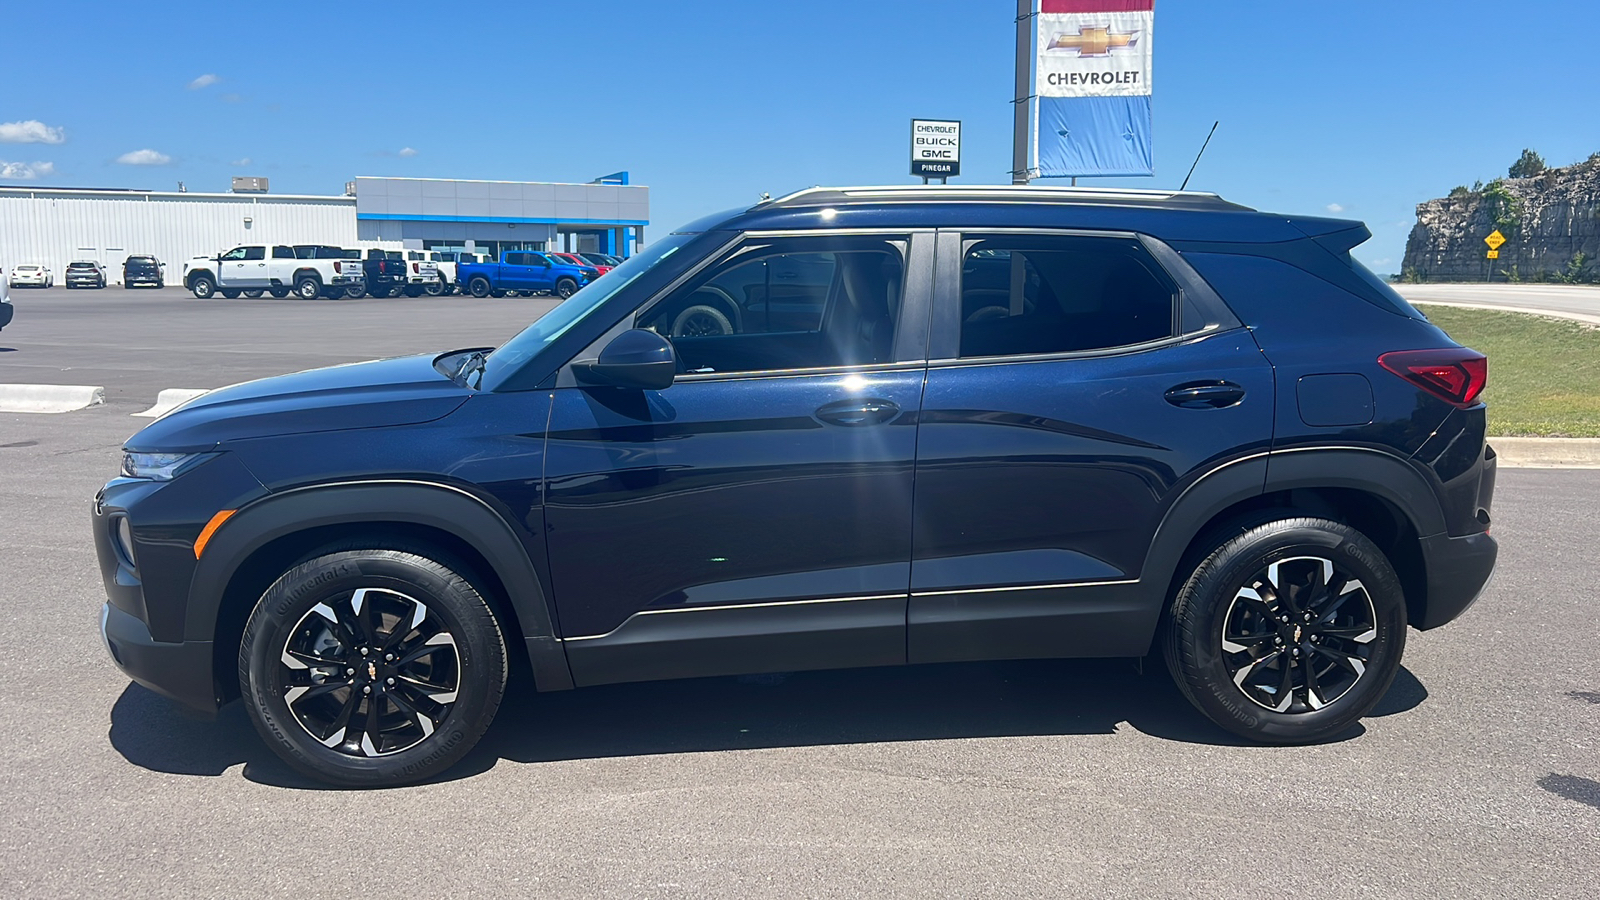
(423, 272)
(276, 269)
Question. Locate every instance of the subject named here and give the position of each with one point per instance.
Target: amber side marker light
(211, 529)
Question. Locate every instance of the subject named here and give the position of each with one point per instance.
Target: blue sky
(1360, 109)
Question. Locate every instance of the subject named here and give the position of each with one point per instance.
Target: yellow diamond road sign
(1495, 240)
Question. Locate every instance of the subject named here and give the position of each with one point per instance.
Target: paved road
(1479, 775)
(1580, 302)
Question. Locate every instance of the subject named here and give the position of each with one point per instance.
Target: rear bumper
(180, 671)
(1458, 570)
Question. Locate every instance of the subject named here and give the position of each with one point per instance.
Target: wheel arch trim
(447, 508)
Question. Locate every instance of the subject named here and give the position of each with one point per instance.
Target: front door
(1074, 391)
(756, 515)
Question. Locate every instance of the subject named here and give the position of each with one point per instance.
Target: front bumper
(180, 671)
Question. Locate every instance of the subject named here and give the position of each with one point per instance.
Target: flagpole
(1019, 134)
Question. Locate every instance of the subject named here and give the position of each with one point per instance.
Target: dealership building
(54, 226)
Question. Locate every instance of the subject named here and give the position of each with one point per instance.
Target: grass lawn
(1544, 374)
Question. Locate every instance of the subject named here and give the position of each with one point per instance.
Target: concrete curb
(49, 398)
(170, 399)
(1547, 453)
(1525, 310)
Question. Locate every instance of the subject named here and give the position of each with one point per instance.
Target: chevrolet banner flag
(1093, 79)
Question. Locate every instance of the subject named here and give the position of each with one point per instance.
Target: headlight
(160, 466)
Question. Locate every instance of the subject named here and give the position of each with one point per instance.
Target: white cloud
(32, 131)
(145, 157)
(406, 151)
(1335, 208)
(204, 81)
(242, 162)
(19, 171)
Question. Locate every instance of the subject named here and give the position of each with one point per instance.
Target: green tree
(1529, 165)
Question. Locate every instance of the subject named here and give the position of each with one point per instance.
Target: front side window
(788, 303)
(255, 253)
(1027, 294)
(235, 254)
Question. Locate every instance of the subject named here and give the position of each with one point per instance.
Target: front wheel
(1288, 632)
(566, 287)
(203, 287)
(372, 667)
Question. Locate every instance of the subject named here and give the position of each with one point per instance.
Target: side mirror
(636, 358)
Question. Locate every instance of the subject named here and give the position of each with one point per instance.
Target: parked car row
(310, 271)
(91, 273)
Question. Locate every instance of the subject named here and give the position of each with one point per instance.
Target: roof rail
(1000, 193)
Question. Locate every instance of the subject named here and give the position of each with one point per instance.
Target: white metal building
(54, 226)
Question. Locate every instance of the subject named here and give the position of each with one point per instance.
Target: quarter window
(1026, 294)
(788, 303)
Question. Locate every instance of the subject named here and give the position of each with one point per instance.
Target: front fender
(447, 508)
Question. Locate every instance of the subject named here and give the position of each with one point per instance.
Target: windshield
(571, 311)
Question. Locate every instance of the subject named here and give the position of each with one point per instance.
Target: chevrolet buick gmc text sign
(935, 148)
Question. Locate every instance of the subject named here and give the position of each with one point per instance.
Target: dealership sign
(1093, 79)
(935, 148)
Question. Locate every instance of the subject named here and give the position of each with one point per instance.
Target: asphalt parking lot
(1478, 775)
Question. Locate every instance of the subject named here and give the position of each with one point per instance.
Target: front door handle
(1205, 395)
(858, 411)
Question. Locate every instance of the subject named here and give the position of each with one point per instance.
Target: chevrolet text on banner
(1093, 81)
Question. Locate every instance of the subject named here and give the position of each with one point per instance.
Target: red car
(576, 260)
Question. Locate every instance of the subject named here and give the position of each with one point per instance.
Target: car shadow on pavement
(910, 703)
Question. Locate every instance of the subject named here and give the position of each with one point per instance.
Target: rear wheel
(1289, 632)
(372, 667)
(434, 289)
(278, 292)
(253, 294)
(354, 292)
(307, 287)
(479, 287)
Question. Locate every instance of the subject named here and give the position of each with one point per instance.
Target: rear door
(1078, 384)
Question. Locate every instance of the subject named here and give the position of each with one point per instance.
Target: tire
(307, 287)
(379, 292)
(253, 294)
(479, 287)
(1303, 602)
(278, 292)
(203, 287)
(230, 293)
(434, 288)
(701, 320)
(413, 290)
(566, 287)
(331, 607)
(354, 292)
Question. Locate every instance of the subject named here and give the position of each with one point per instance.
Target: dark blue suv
(856, 427)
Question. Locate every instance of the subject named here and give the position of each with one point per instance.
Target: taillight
(416, 269)
(1456, 375)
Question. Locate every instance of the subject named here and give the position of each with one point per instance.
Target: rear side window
(1028, 294)
(283, 253)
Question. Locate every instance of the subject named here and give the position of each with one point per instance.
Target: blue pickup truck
(522, 271)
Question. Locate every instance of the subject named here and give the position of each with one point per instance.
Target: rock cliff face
(1551, 223)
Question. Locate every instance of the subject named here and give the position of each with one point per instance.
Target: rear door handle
(1205, 395)
(857, 412)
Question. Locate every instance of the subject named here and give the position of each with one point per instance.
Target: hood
(383, 393)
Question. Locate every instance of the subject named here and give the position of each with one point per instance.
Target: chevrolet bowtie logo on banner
(1093, 81)
(1093, 41)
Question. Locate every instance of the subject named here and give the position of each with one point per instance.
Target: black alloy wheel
(354, 292)
(372, 667)
(1288, 632)
(566, 287)
(479, 287)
